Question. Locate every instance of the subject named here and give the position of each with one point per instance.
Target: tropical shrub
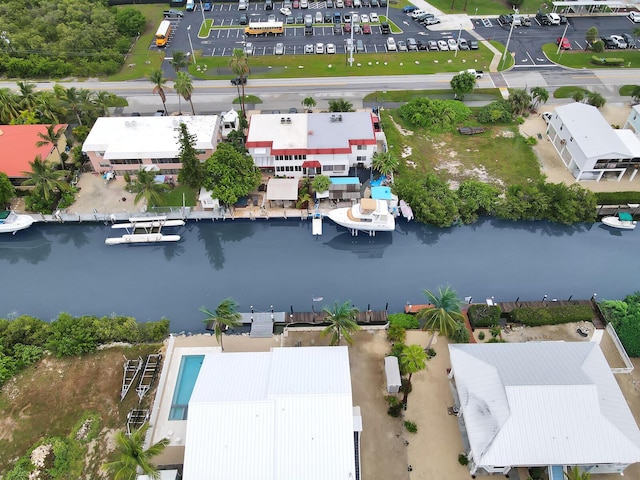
(484, 315)
(476, 198)
(434, 115)
(481, 336)
(499, 111)
(72, 336)
(624, 316)
(495, 331)
(460, 335)
(462, 459)
(617, 198)
(404, 320)
(551, 315)
(397, 349)
(396, 333)
(430, 197)
(411, 426)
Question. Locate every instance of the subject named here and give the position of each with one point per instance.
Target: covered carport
(582, 7)
(281, 190)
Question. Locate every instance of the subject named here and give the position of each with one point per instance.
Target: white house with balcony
(308, 144)
(589, 147)
(633, 121)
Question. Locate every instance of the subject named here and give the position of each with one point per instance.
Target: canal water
(54, 268)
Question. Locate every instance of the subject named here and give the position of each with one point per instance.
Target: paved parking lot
(229, 34)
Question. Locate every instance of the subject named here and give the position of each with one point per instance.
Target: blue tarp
(381, 193)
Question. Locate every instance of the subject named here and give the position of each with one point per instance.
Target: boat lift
(149, 374)
(316, 222)
(131, 370)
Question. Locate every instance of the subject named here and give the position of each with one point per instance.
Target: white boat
(145, 230)
(368, 215)
(623, 221)
(11, 222)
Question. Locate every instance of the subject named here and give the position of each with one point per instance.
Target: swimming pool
(187, 376)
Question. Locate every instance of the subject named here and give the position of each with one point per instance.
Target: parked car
(366, 3)
(433, 45)
(331, 48)
(289, 20)
(505, 19)
(285, 11)
(319, 18)
(443, 45)
(422, 46)
(268, 4)
(329, 3)
(608, 42)
(409, 8)
(357, 3)
(359, 46)
(473, 44)
(348, 3)
(248, 48)
(346, 17)
(631, 42)
(271, 18)
(452, 43)
(620, 43)
(299, 19)
(339, 3)
(375, 3)
(349, 46)
(463, 44)
(412, 44)
(402, 46)
(356, 27)
(173, 13)
(366, 29)
(385, 28)
(309, 48)
(207, 7)
(242, 5)
(563, 20)
(564, 43)
(279, 49)
(319, 47)
(383, 3)
(554, 18)
(364, 18)
(295, 4)
(355, 18)
(391, 44)
(337, 29)
(243, 19)
(328, 17)
(543, 18)
(347, 28)
(304, 3)
(634, 17)
(373, 17)
(416, 13)
(308, 20)
(430, 21)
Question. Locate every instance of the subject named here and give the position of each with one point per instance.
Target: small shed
(392, 373)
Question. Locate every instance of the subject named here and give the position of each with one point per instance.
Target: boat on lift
(142, 230)
(368, 215)
(11, 222)
(622, 221)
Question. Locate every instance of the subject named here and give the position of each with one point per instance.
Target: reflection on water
(52, 268)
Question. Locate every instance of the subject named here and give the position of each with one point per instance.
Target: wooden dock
(366, 317)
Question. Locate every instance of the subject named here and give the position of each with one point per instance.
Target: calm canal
(53, 268)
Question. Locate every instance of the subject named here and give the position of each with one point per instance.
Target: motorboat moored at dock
(11, 222)
(368, 215)
(622, 221)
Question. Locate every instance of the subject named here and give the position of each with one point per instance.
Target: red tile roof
(18, 147)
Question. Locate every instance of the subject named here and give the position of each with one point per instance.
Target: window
(361, 159)
(105, 165)
(362, 147)
(100, 154)
(166, 160)
(327, 168)
(127, 161)
(339, 168)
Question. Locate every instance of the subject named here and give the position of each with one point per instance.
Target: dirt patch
(50, 398)
(403, 131)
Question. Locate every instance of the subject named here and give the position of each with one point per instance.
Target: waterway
(54, 268)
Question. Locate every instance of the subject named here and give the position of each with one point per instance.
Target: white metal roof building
(301, 144)
(633, 121)
(588, 146)
(540, 404)
(127, 143)
(278, 415)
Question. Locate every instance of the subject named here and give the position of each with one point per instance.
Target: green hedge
(606, 61)
(404, 320)
(535, 316)
(617, 198)
(484, 315)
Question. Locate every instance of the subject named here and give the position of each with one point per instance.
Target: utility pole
(506, 48)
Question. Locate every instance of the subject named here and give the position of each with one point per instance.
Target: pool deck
(161, 426)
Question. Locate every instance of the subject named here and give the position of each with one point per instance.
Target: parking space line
(531, 58)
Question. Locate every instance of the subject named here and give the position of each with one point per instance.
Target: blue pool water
(345, 180)
(187, 376)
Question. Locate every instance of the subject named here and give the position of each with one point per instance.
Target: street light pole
(459, 33)
(193, 55)
(506, 48)
(352, 46)
(564, 35)
(202, 10)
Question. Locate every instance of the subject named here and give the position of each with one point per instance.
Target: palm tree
(309, 103)
(385, 163)
(179, 61)
(9, 105)
(45, 179)
(445, 314)
(340, 105)
(412, 359)
(184, 88)
(519, 100)
(133, 456)
(48, 107)
(51, 137)
(225, 316)
(578, 96)
(27, 96)
(539, 95)
(157, 78)
(596, 99)
(577, 474)
(103, 100)
(239, 65)
(146, 187)
(74, 99)
(342, 322)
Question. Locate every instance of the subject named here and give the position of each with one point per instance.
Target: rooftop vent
(336, 118)
(288, 119)
(283, 120)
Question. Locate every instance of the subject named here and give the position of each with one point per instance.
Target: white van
(555, 18)
(191, 6)
(634, 17)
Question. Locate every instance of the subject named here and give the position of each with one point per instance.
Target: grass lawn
(205, 28)
(297, 66)
(581, 59)
(248, 99)
(567, 91)
(141, 61)
(482, 7)
(173, 198)
(489, 94)
(50, 397)
(500, 155)
(627, 90)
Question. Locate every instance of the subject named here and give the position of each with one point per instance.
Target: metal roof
(274, 415)
(282, 189)
(543, 403)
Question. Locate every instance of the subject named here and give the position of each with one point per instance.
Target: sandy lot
(552, 166)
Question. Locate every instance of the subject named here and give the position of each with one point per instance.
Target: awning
(381, 193)
(311, 164)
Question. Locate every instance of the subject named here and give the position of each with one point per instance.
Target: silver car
(279, 49)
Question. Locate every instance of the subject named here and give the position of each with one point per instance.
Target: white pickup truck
(477, 73)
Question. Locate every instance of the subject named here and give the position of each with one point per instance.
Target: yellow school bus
(264, 28)
(162, 35)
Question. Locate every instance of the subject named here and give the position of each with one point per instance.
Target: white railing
(621, 351)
